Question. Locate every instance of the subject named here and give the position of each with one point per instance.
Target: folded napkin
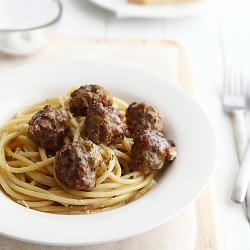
(180, 232)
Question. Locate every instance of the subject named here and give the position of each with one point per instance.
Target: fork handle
(241, 132)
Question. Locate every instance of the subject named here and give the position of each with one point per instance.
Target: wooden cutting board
(209, 235)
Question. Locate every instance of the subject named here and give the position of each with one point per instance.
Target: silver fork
(234, 102)
(238, 115)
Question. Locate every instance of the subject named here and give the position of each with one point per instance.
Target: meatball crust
(82, 98)
(151, 150)
(141, 116)
(76, 164)
(48, 127)
(104, 125)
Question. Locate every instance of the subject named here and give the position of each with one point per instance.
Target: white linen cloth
(180, 232)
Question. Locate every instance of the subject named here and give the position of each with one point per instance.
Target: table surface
(218, 36)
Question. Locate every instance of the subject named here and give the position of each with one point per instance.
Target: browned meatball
(143, 116)
(104, 125)
(48, 127)
(151, 150)
(76, 164)
(87, 95)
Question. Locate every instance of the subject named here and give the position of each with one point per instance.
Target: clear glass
(27, 26)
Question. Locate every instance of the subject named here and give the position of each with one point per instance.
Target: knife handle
(240, 132)
(243, 178)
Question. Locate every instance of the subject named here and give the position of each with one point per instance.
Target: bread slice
(154, 1)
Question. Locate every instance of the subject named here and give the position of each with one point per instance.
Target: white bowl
(180, 185)
(27, 26)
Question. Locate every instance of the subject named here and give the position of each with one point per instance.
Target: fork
(234, 102)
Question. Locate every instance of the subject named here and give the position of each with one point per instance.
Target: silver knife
(241, 154)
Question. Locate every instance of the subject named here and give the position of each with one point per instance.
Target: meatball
(87, 95)
(151, 150)
(104, 125)
(141, 116)
(48, 127)
(76, 164)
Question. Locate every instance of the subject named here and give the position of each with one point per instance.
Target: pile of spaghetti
(27, 173)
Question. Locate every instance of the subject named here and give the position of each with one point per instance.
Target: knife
(241, 154)
(243, 178)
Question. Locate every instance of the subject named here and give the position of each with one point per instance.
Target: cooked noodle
(27, 174)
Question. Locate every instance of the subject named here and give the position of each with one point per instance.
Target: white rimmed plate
(124, 9)
(185, 122)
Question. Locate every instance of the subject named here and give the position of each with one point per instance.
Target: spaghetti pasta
(27, 173)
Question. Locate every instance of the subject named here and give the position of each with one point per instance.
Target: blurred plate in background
(124, 9)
